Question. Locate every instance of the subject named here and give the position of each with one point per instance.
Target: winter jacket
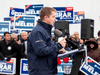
(42, 51)
(11, 49)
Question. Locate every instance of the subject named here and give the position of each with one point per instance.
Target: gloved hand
(8, 58)
(1, 56)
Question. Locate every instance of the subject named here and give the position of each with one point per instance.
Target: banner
(68, 14)
(64, 68)
(16, 11)
(78, 16)
(4, 27)
(91, 67)
(12, 30)
(24, 67)
(33, 9)
(64, 13)
(24, 22)
(8, 67)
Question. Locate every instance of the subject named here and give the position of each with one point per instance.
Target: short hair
(46, 11)
(13, 34)
(6, 33)
(23, 32)
(29, 31)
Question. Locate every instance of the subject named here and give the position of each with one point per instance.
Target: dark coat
(42, 51)
(23, 55)
(11, 49)
(94, 54)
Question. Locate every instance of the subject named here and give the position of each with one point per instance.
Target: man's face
(73, 38)
(76, 34)
(7, 37)
(15, 38)
(24, 36)
(51, 19)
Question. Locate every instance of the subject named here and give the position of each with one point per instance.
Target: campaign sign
(12, 30)
(91, 67)
(8, 67)
(24, 22)
(4, 27)
(64, 13)
(24, 67)
(64, 68)
(78, 16)
(16, 11)
(11, 19)
(33, 9)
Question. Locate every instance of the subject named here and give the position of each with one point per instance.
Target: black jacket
(11, 49)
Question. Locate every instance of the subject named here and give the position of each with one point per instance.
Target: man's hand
(62, 50)
(63, 42)
(19, 42)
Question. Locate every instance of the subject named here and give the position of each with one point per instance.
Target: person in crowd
(14, 37)
(0, 37)
(8, 48)
(41, 49)
(93, 49)
(76, 41)
(24, 36)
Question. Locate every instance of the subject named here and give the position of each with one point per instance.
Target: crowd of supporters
(13, 45)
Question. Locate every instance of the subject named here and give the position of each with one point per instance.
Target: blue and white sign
(33, 9)
(12, 30)
(78, 16)
(8, 67)
(64, 68)
(24, 67)
(24, 22)
(4, 27)
(16, 11)
(64, 13)
(91, 67)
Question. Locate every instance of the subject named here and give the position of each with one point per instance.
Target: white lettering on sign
(90, 69)
(13, 12)
(25, 67)
(32, 11)
(4, 30)
(5, 67)
(22, 23)
(63, 14)
(60, 69)
(78, 19)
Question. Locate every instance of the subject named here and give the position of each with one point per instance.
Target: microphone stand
(77, 60)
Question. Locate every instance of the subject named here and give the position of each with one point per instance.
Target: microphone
(58, 33)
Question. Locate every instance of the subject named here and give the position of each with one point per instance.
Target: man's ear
(45, 17)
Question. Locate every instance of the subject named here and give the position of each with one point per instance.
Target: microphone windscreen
(57, 32)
